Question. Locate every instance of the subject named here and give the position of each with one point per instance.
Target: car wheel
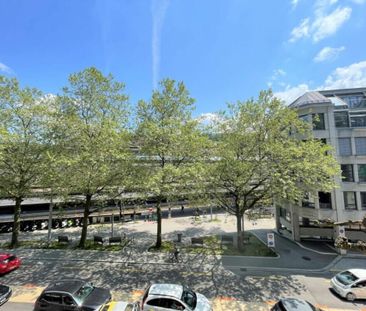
(350, 297)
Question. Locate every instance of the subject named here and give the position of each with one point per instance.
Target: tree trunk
(84, 231)
(158, 233)
(239, 231)
(16, 225)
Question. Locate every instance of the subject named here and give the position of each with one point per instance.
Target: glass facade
(344, 146)
(325, 200)
(318, 121)
(347, 172)
(363, 200)
(362, 172)
(358, 119)
(354, 101)
(349, 200)
(360, 143)
(341, 119)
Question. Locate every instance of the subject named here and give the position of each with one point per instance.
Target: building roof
(310, 98)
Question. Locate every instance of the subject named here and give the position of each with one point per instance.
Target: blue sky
(223, 50)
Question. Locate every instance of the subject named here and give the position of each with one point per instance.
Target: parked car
(72, 294)
(121, 306)
(294, 304)
(161, 297)
(5, 293)
(350, 284)
(9, 262)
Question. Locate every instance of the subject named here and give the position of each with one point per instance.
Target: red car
(8, 262)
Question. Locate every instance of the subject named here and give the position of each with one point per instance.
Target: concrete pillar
(277, 217)
(295, 222)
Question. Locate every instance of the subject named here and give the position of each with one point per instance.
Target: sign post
(270, 239)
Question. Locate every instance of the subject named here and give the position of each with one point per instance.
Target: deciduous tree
(23, 143)
(93, 138)
(169, 139)
(265, 151)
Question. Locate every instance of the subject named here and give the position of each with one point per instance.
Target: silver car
(350, 284)
(165, 297)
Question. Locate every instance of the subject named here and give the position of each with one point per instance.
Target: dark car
(294, 304)
(72, 295)
(5, 293)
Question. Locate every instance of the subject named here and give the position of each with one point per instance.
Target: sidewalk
(291, 255)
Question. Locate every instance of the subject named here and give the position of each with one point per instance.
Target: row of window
(341, 119)
(348, 173)
(350, 201)
(345, 146)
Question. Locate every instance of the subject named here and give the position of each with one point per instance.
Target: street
(256, 292)
(230, 282)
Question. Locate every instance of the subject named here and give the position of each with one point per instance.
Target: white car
(166, 297)
(350, 284)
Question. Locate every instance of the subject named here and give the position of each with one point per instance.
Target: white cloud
(277, 74)
(6, 69)
(300, 31)
(328, 53)
(158, 9)
(350, 76)
(323, 23)
(294, 3)
(359, 1)
(208, 118)
(347, 77)
(325, 26)
(292, 92)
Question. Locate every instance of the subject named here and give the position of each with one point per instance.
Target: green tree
(92, 138)
(265, 151)
(169, 139)
(23, 143)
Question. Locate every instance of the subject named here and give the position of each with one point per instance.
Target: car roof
(294, 304)
(67, 286)
(360, 273)
(4, 256)
(172, 290)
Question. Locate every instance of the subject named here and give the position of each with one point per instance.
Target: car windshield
(189, 297)
(83, 292)
(346, 278)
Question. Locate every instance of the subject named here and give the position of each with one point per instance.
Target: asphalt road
(124, 281)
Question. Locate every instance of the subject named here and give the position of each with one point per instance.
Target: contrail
(158, 10)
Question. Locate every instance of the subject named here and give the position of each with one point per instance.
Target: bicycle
(174, 255)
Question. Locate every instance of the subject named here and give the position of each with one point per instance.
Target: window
(344, 146)
(68, 300)
(325, 200)
(362, 172)
(155, 302)
(52, 298)
(358, 119)
(318, 121)
(360, 143)
(347, 172)
(305, 118)
(349, 200)
(341, 119)
(363, 200)
(354, 101)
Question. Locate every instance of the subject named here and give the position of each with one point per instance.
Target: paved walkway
(291, 255)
